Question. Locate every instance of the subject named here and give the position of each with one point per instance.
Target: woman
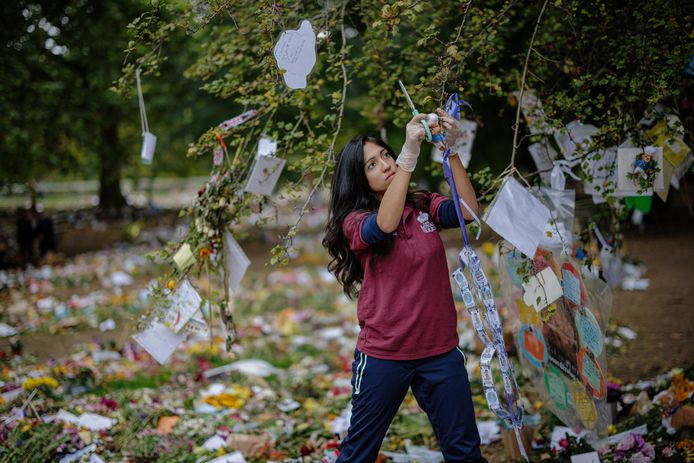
(385, 240)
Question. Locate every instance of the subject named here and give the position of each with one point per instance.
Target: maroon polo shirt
(405, 307)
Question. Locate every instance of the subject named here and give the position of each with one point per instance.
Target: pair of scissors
(414, 110)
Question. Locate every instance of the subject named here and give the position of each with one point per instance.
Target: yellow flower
(611, 429)
(488, 248)
(171, 284)
(204, 253)
(33, 383)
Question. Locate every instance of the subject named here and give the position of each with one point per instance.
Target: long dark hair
(350, 192)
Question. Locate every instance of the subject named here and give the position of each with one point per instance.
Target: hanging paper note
(184, 257)
(679, 171)
(236, 262)
(534, 113)
(159, 341)
(640, 171)
(542, 289)
(183, 304)
(576, 137)
(601, 168)
(295, 53)
(667, 180)
(543, 154)
(517, 216)
(265, 174)
(668, 135)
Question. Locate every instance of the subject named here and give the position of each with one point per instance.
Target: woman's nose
(384, 165)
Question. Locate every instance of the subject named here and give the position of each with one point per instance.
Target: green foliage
(601, 61)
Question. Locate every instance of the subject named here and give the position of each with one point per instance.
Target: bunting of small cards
(295, 53)
(266, 169)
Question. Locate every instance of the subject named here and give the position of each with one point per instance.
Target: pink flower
(668, 451)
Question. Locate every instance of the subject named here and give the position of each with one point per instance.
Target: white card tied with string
(159, 341)
(295, 53)
(149, 140)
(236, 262)
(517, 216)
(266, 169)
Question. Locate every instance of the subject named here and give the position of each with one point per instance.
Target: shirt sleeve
(442, 210)
(361, 230)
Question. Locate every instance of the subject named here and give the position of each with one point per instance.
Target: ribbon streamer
(511, 410)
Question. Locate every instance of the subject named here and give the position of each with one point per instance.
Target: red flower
(564, 443)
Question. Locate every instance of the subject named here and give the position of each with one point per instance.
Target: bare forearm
(393, 202)
(464, 186)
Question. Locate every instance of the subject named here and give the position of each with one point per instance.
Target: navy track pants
(441, 387)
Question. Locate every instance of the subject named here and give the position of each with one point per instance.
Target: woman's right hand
(414, 134)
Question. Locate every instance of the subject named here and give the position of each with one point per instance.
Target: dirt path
(663, 315)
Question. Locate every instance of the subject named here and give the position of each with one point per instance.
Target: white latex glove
(414, 134)
(452, 130)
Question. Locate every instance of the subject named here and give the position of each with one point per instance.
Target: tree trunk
(111, 163)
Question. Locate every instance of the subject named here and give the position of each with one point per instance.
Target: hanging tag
(149, 143)
(295, 53)
(238, 120)
(557, 179)
(217, 156)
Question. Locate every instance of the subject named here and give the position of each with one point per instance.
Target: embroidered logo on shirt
(425, 223)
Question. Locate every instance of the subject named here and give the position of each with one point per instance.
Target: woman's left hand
(451, 126)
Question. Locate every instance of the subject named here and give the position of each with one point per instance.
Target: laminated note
(542, 289)
(183, 304)
(295, 53)
(517, 216)
(159, 341)
(236, 262)
(601, 169)
(266, 171)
